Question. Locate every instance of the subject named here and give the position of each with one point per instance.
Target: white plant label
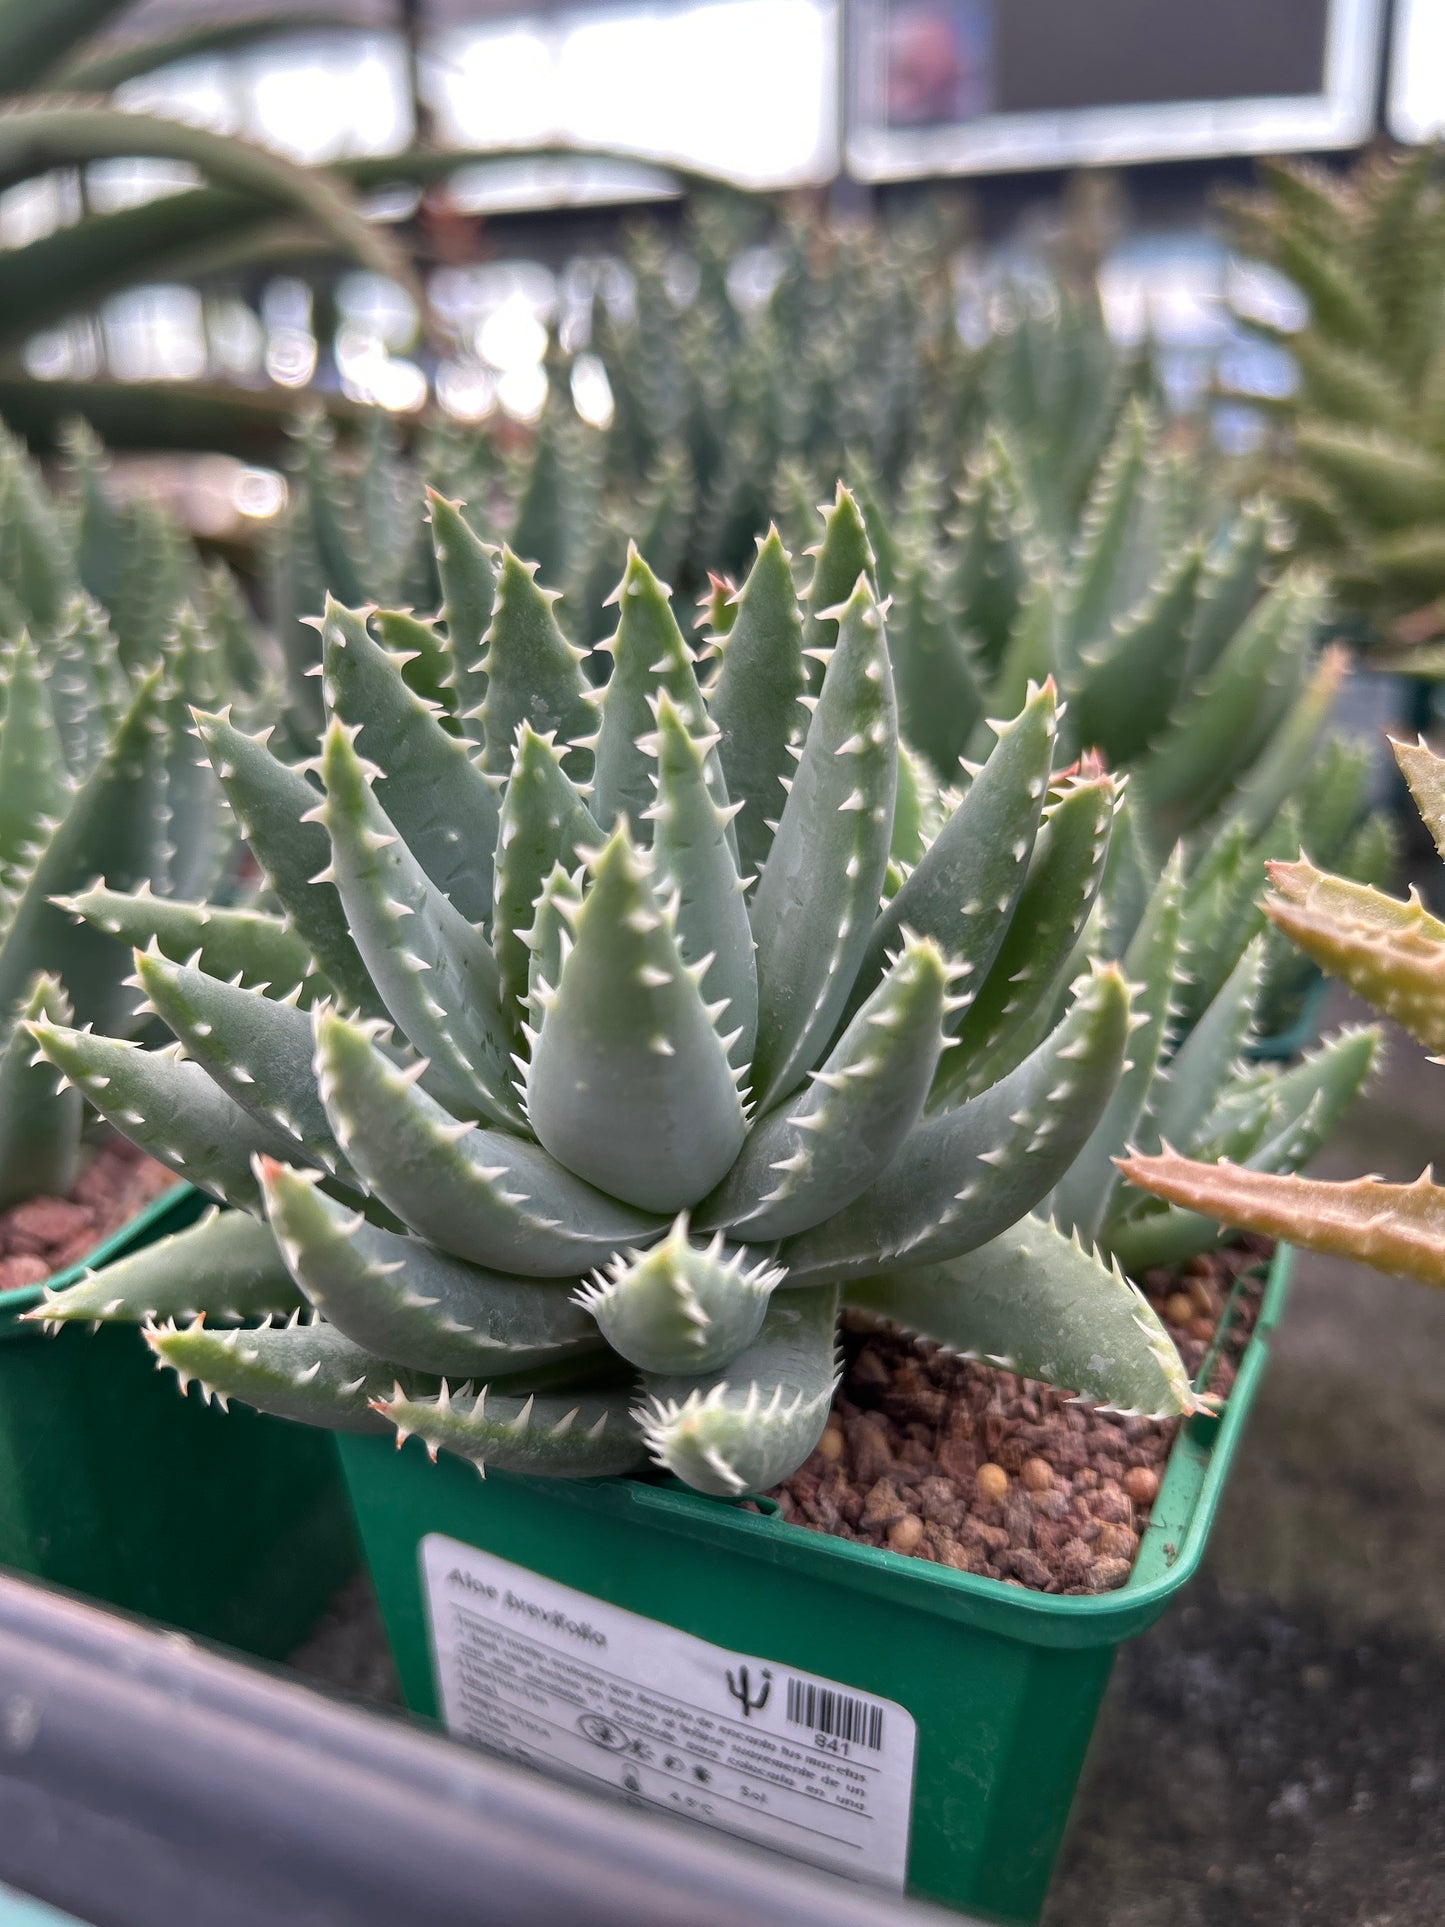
(538, 1672)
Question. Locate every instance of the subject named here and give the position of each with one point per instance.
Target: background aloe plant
(1178, 632)
(99, 784)
(1361, 464)
(1392, 953)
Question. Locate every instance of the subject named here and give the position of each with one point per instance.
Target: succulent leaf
(1394, 1227)
(440, 802)
(1390, 953)
(1229, 584)
(86, 686)
(467, 567)
(1083, 1198)
(1126, 682)
(308, 1373)
(813, 1153)
(745, 1427)
(403, 1300)
(113, 829)
(753, 699)
(496, 1200)
(939, 698)
(1041, 1304)
(555, 1435)
(1017, 996)
(680, 1306)
(226, 1266)
(1034, 651)
(995, 538)
(1103, 572)
(197, 824)
(1233, 711)
(534, 675)
(264, 951)
(424, 656)
(1299, 1110)
(964, 1176)
(1424, 771)
(1203, 1060)
(434, 971)
(274, 806)
(34, 788)
(844, 554)
(544, 823)
(629, 1084)
(550, 937)
(257, 1050)
(170, 1108)
(813, 910)
(40, 1116)
(648, 656)
(964, 890)
(1275, 778)
(694, 865)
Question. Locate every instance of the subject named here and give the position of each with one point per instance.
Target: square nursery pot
(715, 1661)
(232, 1526)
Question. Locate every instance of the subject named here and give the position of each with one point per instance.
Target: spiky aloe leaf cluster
(1184, 645)
(610, 1037)
(1189, 1081)
(1360, 456)
(1079, 542)
(1392, 953)
(99, 782)
(743, 378)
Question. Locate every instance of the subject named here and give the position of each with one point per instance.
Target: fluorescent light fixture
(744, 88)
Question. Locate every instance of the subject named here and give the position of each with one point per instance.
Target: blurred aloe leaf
(101, 71)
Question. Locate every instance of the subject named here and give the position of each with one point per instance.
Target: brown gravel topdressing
(975, 1468)
(46, 1235)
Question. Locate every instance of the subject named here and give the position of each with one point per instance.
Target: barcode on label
(838, 1714)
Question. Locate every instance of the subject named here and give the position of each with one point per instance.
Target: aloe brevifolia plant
(98, 781)
(1360, 462)
(530, 1089)
(1392, 953)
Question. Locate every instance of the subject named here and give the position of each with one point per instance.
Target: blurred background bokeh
(504, 154)
(273, 254)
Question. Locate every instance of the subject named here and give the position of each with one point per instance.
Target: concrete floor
(1272, 1754)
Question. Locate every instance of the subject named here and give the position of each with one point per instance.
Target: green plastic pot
(1004, 1684)
(232, 1526)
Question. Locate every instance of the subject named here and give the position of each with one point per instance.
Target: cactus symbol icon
(741, 1689)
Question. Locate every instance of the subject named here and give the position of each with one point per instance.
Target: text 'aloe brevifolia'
(604, 1041)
